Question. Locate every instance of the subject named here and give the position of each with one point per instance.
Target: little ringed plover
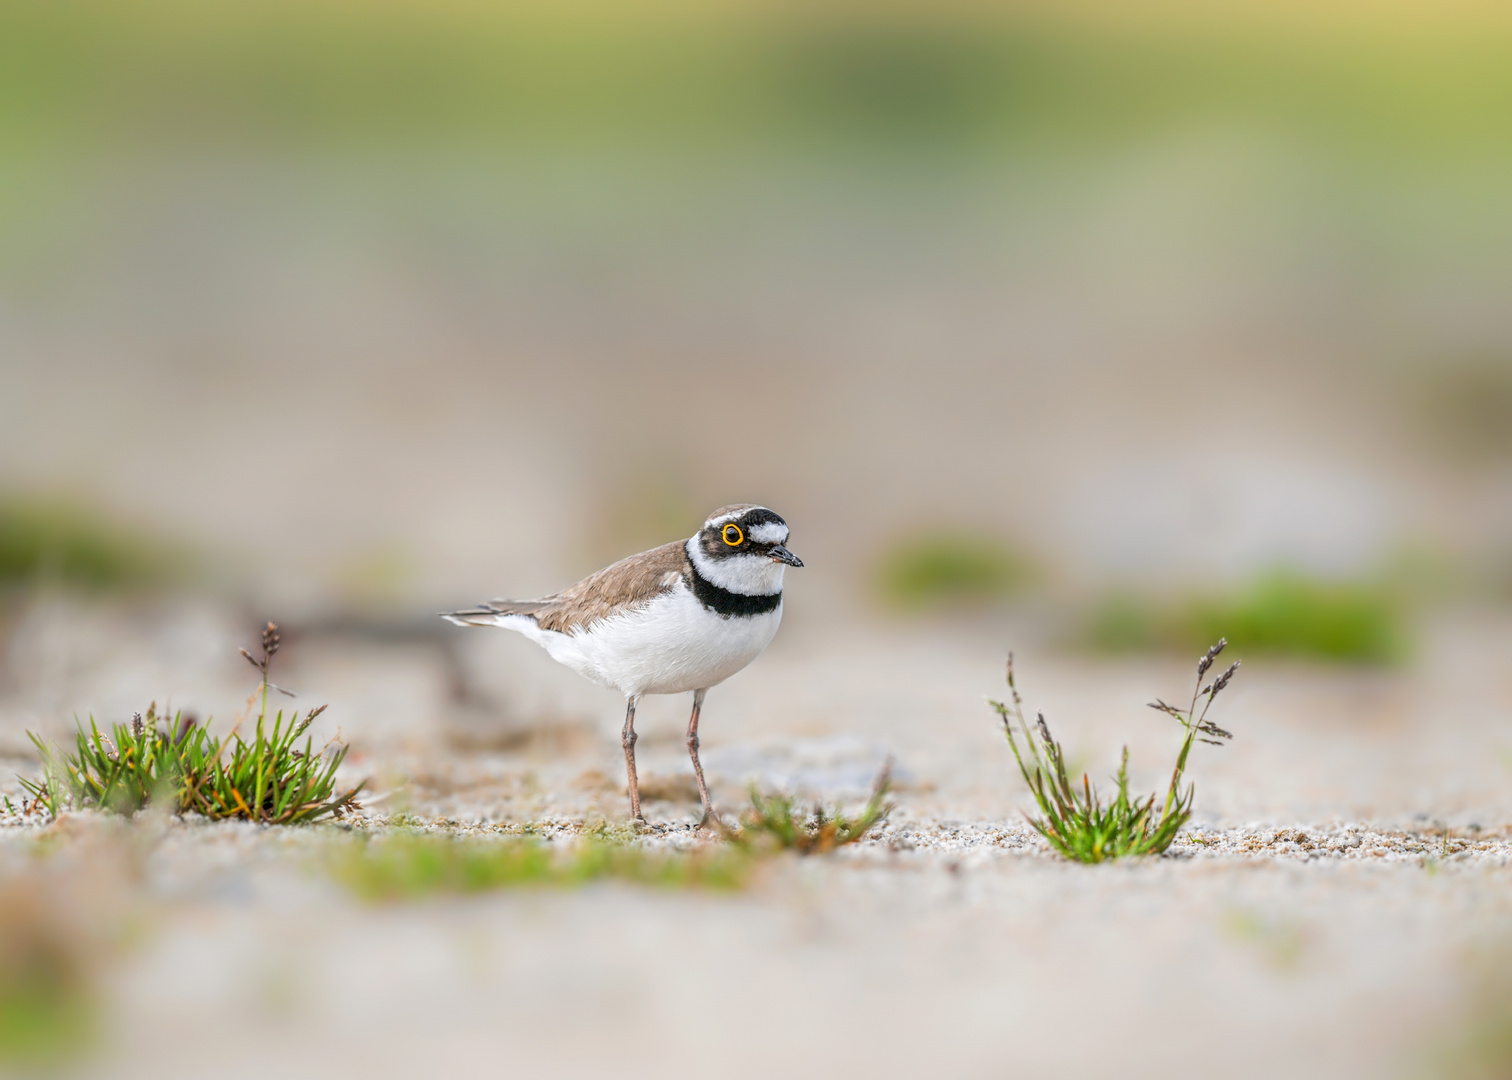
(683, 616)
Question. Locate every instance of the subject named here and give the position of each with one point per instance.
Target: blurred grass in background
(1282, 613)
(1414, 79)
(955, 569)
(49, 1011)
(47, 542)
(1358, 154)
(71, 907)
(416, 866)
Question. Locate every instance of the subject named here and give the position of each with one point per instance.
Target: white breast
(671, 645)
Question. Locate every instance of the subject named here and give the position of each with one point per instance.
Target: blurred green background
(1384, 83)
(400, 304)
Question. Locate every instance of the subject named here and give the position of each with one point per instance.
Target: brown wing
(624, 586)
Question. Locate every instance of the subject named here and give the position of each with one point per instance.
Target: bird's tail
(494, 612)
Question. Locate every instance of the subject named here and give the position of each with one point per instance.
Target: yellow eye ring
(732, 535)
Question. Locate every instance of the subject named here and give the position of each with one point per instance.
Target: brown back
(624, 586)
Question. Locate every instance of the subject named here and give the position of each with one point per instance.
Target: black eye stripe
(715, 539)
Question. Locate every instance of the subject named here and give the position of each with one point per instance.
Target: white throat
(748, 575)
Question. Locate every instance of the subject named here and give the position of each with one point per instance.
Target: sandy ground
(387, 377)
(1344, 882)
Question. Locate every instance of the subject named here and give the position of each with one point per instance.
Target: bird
(680, 617)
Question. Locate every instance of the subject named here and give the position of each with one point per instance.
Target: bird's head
(742, 548)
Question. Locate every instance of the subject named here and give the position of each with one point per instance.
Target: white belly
(672, 645)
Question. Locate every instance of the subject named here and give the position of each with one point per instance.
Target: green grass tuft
(1075, 820)
(411, 867)
(952, 569)
(1283, 613)
(270, 778)
(778, 823)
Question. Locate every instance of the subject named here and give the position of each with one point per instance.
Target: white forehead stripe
(731, 516)
(770, 533)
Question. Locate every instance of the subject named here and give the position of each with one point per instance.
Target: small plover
(684, 616)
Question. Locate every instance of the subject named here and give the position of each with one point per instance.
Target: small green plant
(269, 778)
(409, 867)
(778, 823)
(1075, 820)
(951, 569)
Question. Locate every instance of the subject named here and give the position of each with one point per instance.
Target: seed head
(137, 727)
(1208, 658)
(269, 648)
(1223, 680)
(308, 720)
(1207, 727)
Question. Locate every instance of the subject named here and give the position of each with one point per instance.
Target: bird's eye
(733, 536)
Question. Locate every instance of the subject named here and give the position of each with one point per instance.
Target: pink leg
(703, 789)
(627, 740)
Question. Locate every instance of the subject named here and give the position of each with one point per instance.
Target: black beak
(782, 554)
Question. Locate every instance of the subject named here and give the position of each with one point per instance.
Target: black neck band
(725, 603)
